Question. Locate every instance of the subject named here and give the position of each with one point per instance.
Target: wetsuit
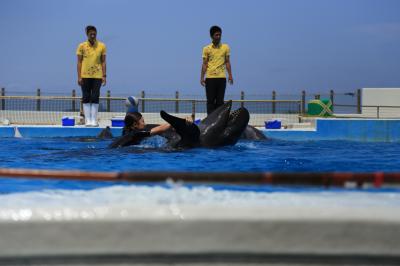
(131, 137)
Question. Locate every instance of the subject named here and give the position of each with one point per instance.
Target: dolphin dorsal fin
(17, 134)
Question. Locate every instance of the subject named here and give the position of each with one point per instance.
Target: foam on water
(122, 201)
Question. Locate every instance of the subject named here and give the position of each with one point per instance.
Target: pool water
(245, 156)
(154, 155)
(65, 199)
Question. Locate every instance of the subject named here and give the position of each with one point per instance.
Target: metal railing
(374, 111)
(178, 105)
(40, 109)
(117, 104)
(352, 97)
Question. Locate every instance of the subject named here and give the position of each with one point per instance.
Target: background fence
(343, 102)
(50, 109)
(45, 109)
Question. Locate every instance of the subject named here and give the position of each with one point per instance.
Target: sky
(156, 45)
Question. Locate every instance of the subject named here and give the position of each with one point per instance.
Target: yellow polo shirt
(91, 62)
(216, 56)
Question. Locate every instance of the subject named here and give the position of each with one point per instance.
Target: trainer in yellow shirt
(91, 59)
(91, 69)
(215, 61)
(216, 57)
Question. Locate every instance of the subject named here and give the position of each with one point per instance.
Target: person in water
(134, 122)
(136, 130)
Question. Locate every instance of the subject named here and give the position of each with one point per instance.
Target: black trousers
(91, 90)
(215, 92)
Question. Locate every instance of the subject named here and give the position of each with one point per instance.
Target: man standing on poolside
(91, 74)
(215, 59)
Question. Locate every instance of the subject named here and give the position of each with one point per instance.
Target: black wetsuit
(131, 137)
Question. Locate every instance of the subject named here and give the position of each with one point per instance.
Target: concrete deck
(352, 129)
(195, 234)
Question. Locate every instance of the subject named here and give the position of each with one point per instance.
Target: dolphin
(220, 128)
(105, 134)
(252, 133)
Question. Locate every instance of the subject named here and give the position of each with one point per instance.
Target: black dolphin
(105, 133)
(221, 127)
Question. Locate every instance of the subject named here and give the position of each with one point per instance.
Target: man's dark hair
(215, 29)
(89, 28)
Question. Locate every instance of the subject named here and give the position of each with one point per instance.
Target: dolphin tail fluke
(189, 132)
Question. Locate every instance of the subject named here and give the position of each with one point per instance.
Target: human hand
(103, 82)
(230, 80)
(203, 82)
(80, 81)
(189, 119)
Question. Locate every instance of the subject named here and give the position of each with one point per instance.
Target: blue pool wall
(377, 130)
(53, 132)
(6, 132)
(374, 130)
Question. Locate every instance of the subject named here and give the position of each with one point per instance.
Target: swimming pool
(90, 154)
(88, 217)
(245, 156)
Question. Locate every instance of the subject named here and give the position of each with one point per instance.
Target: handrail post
(273, 103)
(143, 96)
(193, 110)
(177, 102)
(377, 111)
(332, 97)
(303, 102)
(73, 100)
(359, 101)
(108, 105)
(3, 101)
(81, 108)
(299, 110)
(242, 98)
(38, 100)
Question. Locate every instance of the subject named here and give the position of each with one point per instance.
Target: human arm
(204, 67)
(159, 129)
(203, 72)
(229, 69)
(79, 69)
(104, 68)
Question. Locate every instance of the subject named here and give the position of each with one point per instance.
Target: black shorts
(91, 90)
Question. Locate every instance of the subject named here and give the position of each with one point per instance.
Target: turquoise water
(153, 155)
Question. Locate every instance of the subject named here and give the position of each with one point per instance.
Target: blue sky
(286, 45)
